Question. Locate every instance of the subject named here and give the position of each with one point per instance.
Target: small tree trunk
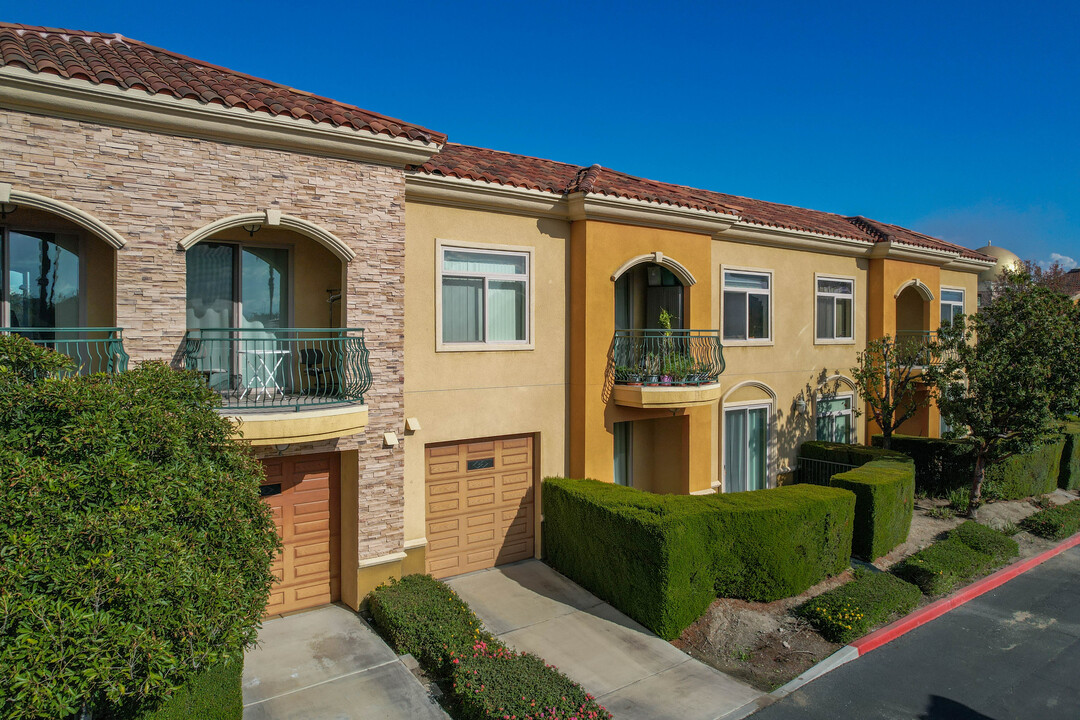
(976, 485)
(886, 440)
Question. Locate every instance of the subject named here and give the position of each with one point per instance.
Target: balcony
(285, 384)
(919, 345)
(91, 349)
(656, 368)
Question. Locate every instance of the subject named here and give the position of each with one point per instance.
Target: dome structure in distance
(1005, 259)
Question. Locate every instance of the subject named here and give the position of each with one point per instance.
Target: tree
(1010, 373)
(135, 551)
(888, 379)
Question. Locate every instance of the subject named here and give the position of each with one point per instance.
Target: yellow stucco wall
(598, 249)
(481, 394)
(793, 365)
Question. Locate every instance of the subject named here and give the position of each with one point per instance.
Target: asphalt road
(1011, 653)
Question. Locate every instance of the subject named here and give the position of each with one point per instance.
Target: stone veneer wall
(155, 189)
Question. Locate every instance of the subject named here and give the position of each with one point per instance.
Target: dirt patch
(765, 646)
(761, 644)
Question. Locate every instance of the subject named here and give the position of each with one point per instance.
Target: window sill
(483, 347)
(837, 341)
(748, 343)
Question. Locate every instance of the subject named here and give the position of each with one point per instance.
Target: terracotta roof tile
(132, 65)
(503, 168)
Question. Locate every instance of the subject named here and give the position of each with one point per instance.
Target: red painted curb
(939, 607)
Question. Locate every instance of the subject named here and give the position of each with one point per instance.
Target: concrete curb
(903, 626)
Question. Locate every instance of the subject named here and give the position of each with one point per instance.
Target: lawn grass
(214, 695)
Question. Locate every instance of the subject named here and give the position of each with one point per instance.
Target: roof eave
(45, 94)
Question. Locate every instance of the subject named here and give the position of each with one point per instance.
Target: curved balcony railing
(280, 368)
(91, 349)
(920, 345)
(667, 357)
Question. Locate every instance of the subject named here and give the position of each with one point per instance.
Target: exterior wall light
(252, 228)
(6, 209)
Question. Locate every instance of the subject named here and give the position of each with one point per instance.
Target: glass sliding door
(746, 448)
(245, 288)
(42, 280)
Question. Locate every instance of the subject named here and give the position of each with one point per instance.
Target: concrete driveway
(327, 664)
(631, 671)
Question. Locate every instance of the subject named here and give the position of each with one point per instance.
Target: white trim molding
(627, 211)
(920, 287)
(480, 195)
(76, 99)
(10, 194)
(272, 217)
(381, 560)
(678, 269)
(749, 383)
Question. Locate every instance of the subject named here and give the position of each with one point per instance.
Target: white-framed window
(747, 305)
(835, 418)
(835, 309)
(746, 447)
(484, 298)
(952, 304)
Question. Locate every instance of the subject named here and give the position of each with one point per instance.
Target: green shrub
(944, 465)
(884, 501)
(847, 453)
(960, 500)
(1055, 523)
(214, 695)
(493, 682)
(998, 545)
(136, 549)
(662, 559)
(942, 566)
(851, 610)
(1069, 474)
(424, 617)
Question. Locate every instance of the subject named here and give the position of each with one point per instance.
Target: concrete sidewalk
(631, 671)
(328, 663)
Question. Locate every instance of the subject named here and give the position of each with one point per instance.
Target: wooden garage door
(302, 492)
(479, 499)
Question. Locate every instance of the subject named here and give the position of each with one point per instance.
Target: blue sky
(957, 119)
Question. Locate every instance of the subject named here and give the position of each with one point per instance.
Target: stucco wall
(478, 394)
(793, 365)
(155, 189)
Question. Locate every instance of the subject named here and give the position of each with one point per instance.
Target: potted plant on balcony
(626, 375)
(651, 366)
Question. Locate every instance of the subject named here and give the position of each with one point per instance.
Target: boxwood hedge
(1055, 523)
(662, 559)
(1069, 473)
(944, 465)
(884, 500)
(969, 550)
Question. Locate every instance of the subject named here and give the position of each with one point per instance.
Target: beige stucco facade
(459, 395)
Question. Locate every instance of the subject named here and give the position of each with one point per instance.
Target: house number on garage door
(481, 464)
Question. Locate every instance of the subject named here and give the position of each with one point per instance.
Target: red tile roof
(105, 59)
(1071, 281)
(502, 168)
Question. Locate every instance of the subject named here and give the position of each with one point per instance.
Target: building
(413, 333)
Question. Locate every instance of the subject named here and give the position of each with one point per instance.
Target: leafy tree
(1010, 373)
(888, 379)
(135, 551)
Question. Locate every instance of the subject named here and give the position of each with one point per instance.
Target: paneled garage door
(480, 502)
(302, 492)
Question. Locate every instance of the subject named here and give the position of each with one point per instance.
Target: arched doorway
(59, 283)
(643, 293)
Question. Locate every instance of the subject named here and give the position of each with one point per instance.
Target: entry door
(303, 494)
(746, 448)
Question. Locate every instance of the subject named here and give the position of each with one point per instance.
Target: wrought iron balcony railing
(667, 357)
(280, 368)
(91, 349)
(919, 344)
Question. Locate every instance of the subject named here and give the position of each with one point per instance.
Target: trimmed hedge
(944, 465)
(662, 559)
(1055, 523)
(969, 550)
(214, 695)
(1069, 475)
(849, 611)
(425, 617)
(847, 453)
(884, 487)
